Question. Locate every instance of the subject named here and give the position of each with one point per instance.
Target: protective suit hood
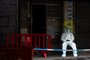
(67, 30)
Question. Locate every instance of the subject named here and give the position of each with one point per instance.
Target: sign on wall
(68, 15)
(69, 24)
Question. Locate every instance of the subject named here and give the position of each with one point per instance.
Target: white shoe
(75, 55)
(63, 55)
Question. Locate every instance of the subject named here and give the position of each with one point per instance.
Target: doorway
(39, 19)
(83, 25)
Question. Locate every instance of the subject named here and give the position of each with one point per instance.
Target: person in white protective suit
(67, 37)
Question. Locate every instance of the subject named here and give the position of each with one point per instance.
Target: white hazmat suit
(68, 38)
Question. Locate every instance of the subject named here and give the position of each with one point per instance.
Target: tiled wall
(8, 18)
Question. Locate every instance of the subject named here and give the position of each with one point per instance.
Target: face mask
(67, 30)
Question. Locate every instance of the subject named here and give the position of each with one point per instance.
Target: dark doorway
(39, 19)
(83, 24)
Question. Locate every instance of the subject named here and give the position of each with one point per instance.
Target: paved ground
(81, 56)
(60, 58)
